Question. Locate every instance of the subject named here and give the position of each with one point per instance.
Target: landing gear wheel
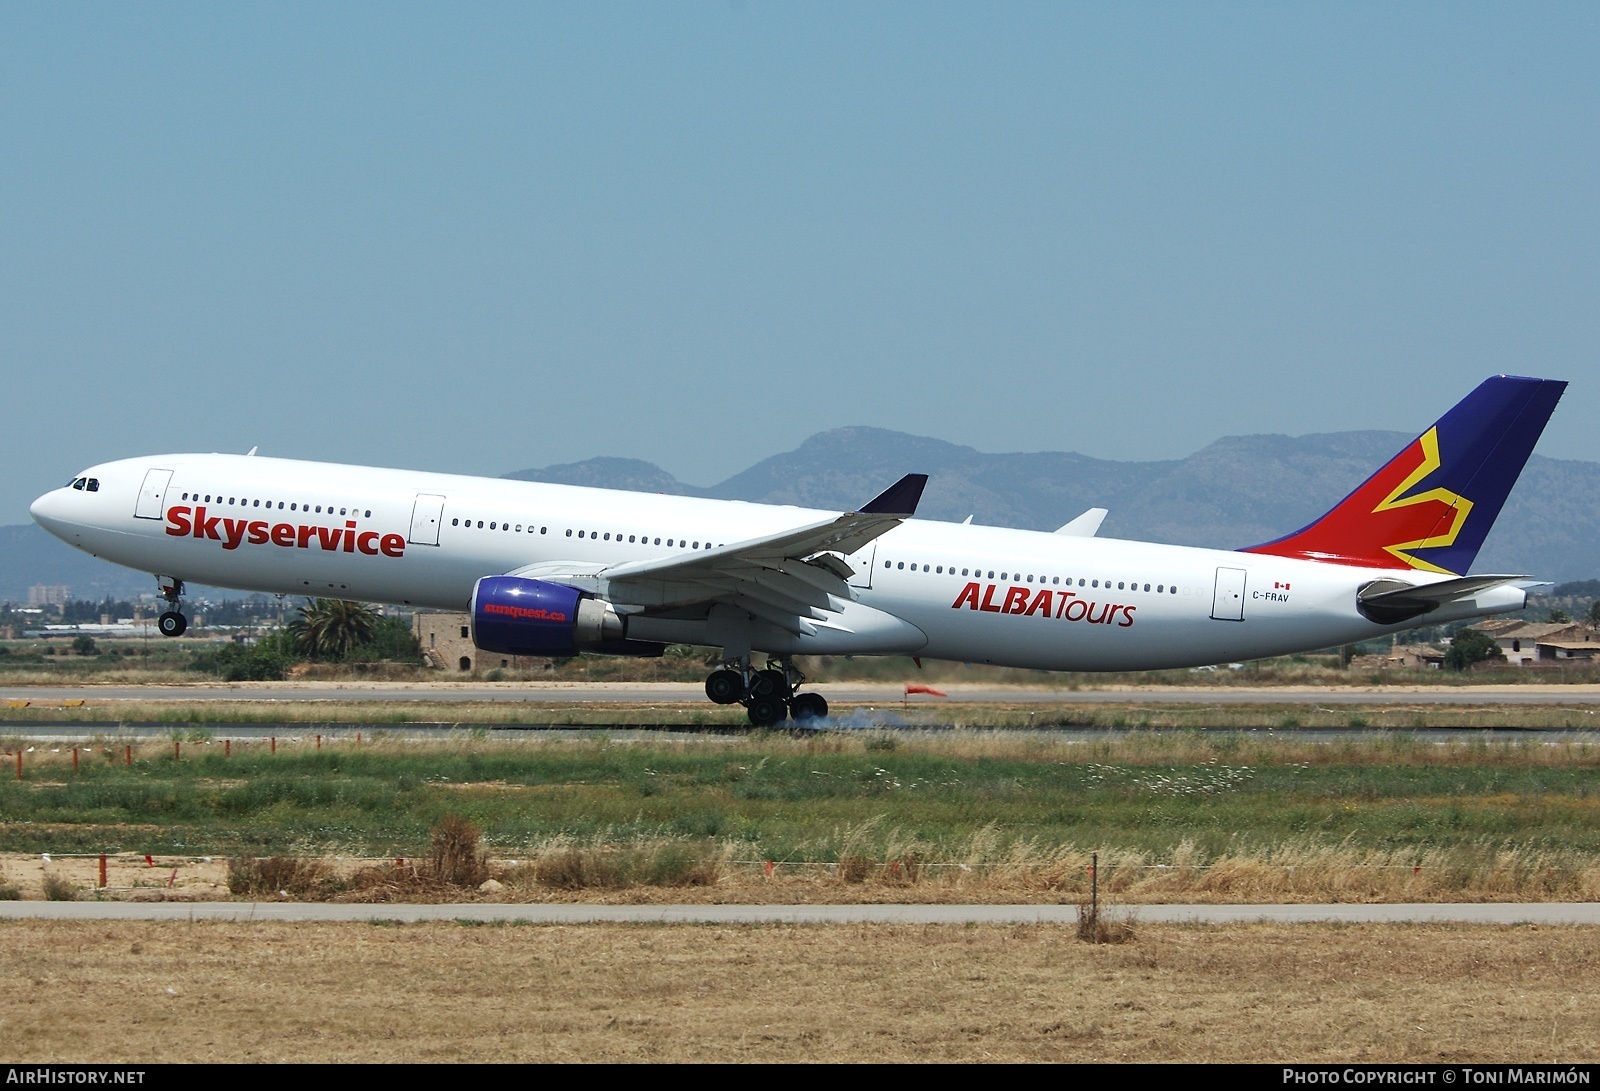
(808, 707)
(172, 623)
(725, 687)
(770, 683)
(766, 711)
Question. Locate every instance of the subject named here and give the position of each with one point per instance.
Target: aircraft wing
(786, 578)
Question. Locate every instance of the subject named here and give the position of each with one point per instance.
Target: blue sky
(482, 238)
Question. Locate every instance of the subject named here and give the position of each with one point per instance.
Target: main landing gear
(768, 695)
(171, 622)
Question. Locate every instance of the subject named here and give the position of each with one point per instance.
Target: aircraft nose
(46, 510)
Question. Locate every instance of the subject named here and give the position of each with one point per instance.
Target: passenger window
(1147, 587)
(938, 570)
(1094, 583)
(630, 538)
(888, 564)
(543, 529)
(902, 564)
(990, 576)
(455, 522)
(480, 524)
(491, 524)
(1030, 577)
(368, 514)
(569, 534)
(580, 534)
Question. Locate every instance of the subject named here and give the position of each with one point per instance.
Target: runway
(1492, 913)
(845, 694)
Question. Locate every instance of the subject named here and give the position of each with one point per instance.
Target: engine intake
(517, 616)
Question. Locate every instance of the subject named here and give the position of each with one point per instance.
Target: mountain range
(1238, 491)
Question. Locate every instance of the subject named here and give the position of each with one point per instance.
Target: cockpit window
(93, 485)
(78, 483)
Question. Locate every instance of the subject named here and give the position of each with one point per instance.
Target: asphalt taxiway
(840, 695)
(1492, 913)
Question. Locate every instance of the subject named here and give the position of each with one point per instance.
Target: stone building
(1542, 643)
(446, 641)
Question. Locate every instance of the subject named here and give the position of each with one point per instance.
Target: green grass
(797, 800)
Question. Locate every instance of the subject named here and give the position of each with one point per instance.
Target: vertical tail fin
(1432, 505)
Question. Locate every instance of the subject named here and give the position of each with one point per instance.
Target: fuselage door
(1228, 602)
(861, 561)
(152, 495)
(425, 518)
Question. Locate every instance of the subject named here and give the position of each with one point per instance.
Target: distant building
(47, 594)
(446, 641)
(1402, 656)
(1542, 643)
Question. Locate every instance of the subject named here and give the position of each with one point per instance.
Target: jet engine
(513, 615)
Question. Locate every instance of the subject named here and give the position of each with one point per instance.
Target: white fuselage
(967, 593)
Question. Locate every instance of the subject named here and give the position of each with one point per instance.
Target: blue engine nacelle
(516, 616)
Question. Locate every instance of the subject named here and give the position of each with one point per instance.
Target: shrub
(279, 875)
(1471, 647)
(57, 889)
(853, 869)
(456, 858)
(1096, 925)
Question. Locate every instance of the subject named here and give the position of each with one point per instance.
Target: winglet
(898, 499)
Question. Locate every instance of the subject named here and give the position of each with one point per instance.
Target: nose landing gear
(171, 622)
(768, 695)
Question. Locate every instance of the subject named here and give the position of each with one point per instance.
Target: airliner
(555, 570)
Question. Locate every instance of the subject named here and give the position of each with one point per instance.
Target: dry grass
(119, 992)
(990, 868)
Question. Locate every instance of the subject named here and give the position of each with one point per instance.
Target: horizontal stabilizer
(1086, 525)
(1389, 602)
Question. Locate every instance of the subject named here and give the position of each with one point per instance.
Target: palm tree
(332, 628)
